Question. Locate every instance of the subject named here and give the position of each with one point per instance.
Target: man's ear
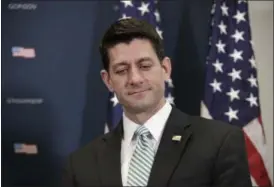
(166, 65)
(106, 79)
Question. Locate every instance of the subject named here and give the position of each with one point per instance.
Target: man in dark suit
(155, 144)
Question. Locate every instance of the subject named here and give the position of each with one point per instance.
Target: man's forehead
(126, 53)
(128, 58)
(132, 61)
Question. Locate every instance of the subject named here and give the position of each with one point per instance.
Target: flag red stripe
(256, 165)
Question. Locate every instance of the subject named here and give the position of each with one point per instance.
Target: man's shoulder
(209, 126)
(90, 148)
(202, 122)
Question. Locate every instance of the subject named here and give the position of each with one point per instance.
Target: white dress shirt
(155, 125)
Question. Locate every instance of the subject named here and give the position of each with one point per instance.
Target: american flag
(23, 52)
(231, 86)
(22, 148)
(145, 10)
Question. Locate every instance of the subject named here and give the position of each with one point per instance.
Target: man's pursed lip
(135, 92)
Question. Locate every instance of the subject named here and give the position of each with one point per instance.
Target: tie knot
(142, 131)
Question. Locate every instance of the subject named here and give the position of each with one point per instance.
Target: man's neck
(142, 117)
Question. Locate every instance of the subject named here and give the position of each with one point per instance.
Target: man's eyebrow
(123, 63)
(143, 59)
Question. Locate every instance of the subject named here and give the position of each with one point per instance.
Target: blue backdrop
(56, 99)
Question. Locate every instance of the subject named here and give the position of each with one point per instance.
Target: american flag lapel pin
(177, 138)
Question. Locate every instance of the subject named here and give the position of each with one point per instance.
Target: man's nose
(135, 77)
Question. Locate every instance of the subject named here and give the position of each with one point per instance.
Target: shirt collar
(155, 124)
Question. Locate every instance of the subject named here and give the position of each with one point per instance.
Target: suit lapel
(170, 151)
(109, 158)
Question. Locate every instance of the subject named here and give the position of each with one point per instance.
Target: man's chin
(138, 107)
